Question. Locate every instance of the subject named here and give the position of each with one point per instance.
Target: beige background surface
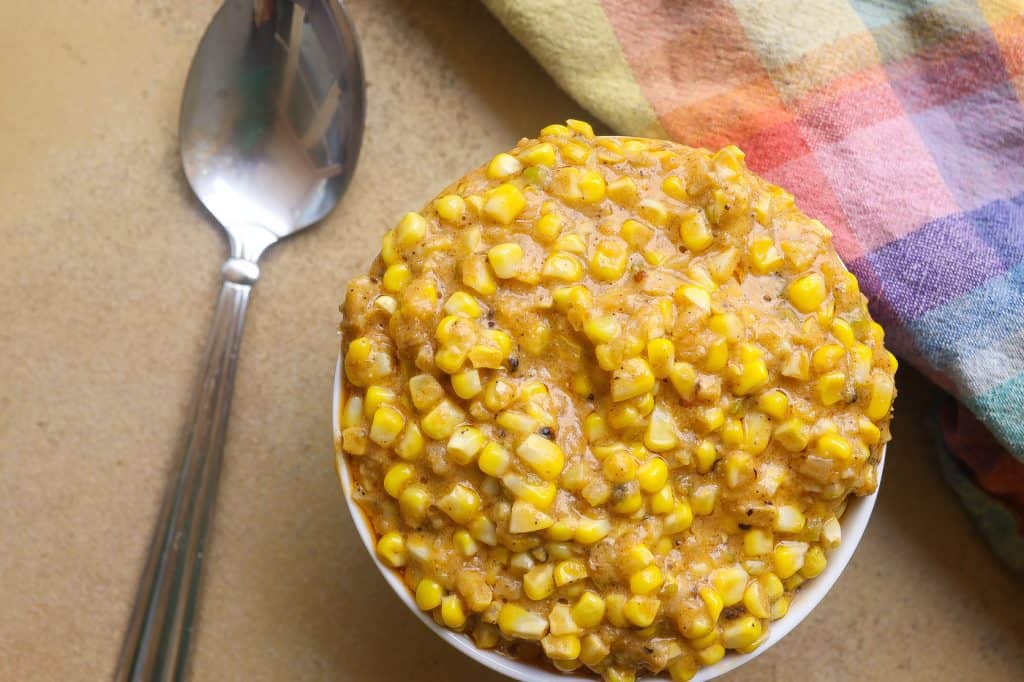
(107, 281)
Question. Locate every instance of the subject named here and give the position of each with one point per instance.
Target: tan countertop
(108, 271)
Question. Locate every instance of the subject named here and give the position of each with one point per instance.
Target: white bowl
(854, 521)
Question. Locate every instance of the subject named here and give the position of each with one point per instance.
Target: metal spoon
(271, 123)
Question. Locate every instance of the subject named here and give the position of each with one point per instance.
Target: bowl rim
(854, 523)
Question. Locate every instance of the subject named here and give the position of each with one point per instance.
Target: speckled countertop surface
(108, 271)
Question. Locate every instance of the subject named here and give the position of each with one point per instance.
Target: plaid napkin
(897, 123)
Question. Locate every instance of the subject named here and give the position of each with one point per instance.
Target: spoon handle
(157, 640)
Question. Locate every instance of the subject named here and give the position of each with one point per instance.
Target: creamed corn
(604, 401)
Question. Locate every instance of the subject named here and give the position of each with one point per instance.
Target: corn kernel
(679, 520)
(695, 232)
(757, 542)
(882, 392)
(450, 207)
(547, 227)
(581, 127)
(652, 475)
(654, 212)
(868, 431)
(542, 154)
(793, 434)
(525, 518)
(561, 647)
(388, 251)
(396, 277)
(835, 446)
(569, 571)
(830, 388)
(452, 613)
(465, 443)
(391, 548)
(831, 533)
(542, 455)
(387, 424)
(440, 423)
(764, 256)
(814, 563)
(539, 495)
(504, 203)
(397, 478)
(675, 188)
(466, 384)
(461, 303)
(789, 519)
(710, 418)
(413, 502)
(711, 655)
(461, 503)
(641, 611)
(703, 499)
(477, 275)
(563, 267)
(695, 296)
(590, 531)
(593, 186)
(609, 260)
(353, 440)
(646, 580)
(741, 632)
(717, 355)
(410, 231)
(428, 594)
(780, 608)
(730, 582)
(807, 293)
(682, 669)
(516, 622)
(505, 259)
(539, 583)
(661, 354)
(633, 378)
(684, 379)
(593, 650)
(706, 454)
(826, 357)
(788, 558)
(623, 191)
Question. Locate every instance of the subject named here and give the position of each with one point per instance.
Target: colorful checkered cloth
(897, 123)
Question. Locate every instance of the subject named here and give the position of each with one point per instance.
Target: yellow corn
(504, 203)
(590, 531)
(661, 355)
(564, 267)
(450, 207)
(387, 424)
(675, 188)
(525, 518)
(461, 503)
(465, 443)
(788, 558)
(807, 292)
(502, 166)
(569, 571)
(694, 231)
(679, 520)
(814, 563)
(477, 275)
(646, 580)
(593, 186)
(703, 499)
(561, 647)
(882, 392)
(452, 613)
(593, 649)
(425, 391)
(413, 502)
(547, 227)
(428, 594)
(764, 256)
(397, 478)
(505, 259)
(633, 378)
(623, 191)
(410, 231)
(396, 277)
(391, 548)
(515, 621)
(609, 260)
(741, 632)
(641, 610)
(830, 388)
